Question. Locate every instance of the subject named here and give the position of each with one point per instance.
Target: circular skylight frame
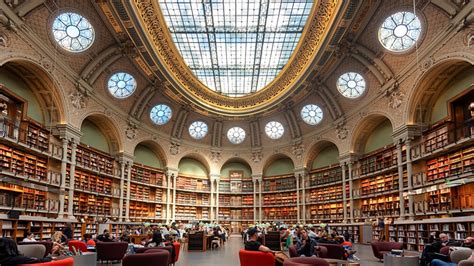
(198, 130)
(274, 130)
(312, 114)
(73, 32)
(400, 31)
(236, 135)
(160, 114)
(121, 85)
(351, 85)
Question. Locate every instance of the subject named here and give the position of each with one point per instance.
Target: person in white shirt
(30, 237)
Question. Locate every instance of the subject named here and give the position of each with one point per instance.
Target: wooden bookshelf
(329, 193)
(353, 230)
(288, 198)
(380, 206)
(325, 175)
(379, 160)
(287, 214)
(382, 183)
(193, 184)
(325, 212)
(279, 183)
(93, 159)
(148, 175)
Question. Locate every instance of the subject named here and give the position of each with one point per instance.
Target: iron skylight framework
(236, 47)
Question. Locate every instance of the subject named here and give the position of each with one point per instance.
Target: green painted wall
(280, 167)
(380, 137)
(146, 156)
(236, 166)
(463, 81)
(188, 166)
(328, 156)
(93, 137)
(16, 85)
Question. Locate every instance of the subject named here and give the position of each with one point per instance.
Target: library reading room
(237, 132)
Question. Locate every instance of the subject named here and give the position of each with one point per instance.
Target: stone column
(128, 175)
(62, 188)
(299, 175)
(254, 180)
(217, 198)
(174, 176)
(400, 180)
(72, 170)
(257, 179)
(122, 187)
(344, 199)
(351, 212)
(411, 213)
(215, 178)
(168, 197)
(211, 201)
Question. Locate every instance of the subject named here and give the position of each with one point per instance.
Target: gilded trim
(321, 19)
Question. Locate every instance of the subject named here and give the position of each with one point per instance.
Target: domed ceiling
(231, 58)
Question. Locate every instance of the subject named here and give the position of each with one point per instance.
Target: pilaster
(172, 174)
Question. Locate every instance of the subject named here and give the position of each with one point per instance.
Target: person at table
(156, 241)
(87, 238)
(67, 233)
(9, 255)
(253, 245)
(304, 245)
(105, 237)
(29, 237)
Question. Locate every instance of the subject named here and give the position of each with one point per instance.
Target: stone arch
(363, 128)
(198, 157)
(108, 127)
(156, 148)
(429, 85)
(273, 158)
(315, 148)
(44, 86)
(236, 160)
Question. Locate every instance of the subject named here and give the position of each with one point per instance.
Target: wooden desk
(197, 242)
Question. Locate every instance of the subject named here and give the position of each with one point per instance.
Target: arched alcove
(372, 133)
(100, 133)
(322, 154)
(149, 153)
(31, 83)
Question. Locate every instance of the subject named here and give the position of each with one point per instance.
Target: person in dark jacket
(68, 233)
(9, 255)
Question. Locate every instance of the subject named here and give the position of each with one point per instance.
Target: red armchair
(65, 262)
(300, 261)
(330, 251)
(111, 251)
(147, 258)
(256, 258)
(177, 247)
(47, 244)
(79, 245)
(381, 247)
(162, 251)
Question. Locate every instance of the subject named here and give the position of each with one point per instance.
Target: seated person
(468, 242)
(29, 237)
(105, 237)
(430, 250)
(9, 255)
(347, 245)
(253, 245)
(305, 246)
(87, 238)
(58, 244)
(156, 241)
(438, 262)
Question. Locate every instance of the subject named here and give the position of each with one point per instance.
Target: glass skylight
(198, 129)
(160, 114)
(73, 32)
(121, 85)
(312, 114)
(236, 135)
(400, 31)
(351, 85)
(274, 130)
(236, 47)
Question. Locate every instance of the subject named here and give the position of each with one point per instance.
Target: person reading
(253, 245)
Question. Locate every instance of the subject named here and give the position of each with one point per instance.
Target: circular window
(312, 114)
(160, 114)
(198, 129)
(236, 135)
(351, 85)
(73, 32)
(400, 31)
(121, 85)
(274, 130)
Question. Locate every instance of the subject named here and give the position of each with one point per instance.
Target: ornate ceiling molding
(146, 16)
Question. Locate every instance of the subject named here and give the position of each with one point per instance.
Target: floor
(228, 255)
